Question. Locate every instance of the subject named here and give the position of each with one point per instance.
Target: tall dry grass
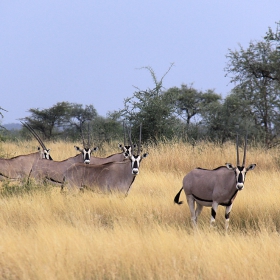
(46, 234)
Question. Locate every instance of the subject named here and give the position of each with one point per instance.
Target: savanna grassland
(46, 234)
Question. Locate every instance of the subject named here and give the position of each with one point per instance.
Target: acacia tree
(273, 71)
(48, 121)
(222, 118)
(75, 125)
(249, 71)
(1, 114)
(191, 103)
(153, 108)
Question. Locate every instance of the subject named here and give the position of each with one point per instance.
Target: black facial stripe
(135, 164)
(240, 178)
(87, 156)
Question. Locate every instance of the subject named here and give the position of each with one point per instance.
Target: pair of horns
(82, 134)
(34, 134)
(245, 147)
(129, 134)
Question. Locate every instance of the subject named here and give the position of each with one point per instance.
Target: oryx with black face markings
(20, 166)
(105, 177)
(86, 151)
(212, 188)
(46, 152)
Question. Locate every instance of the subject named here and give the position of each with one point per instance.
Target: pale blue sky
(90, 52)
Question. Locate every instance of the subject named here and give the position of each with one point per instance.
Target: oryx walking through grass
(105, 177)
(212, 188)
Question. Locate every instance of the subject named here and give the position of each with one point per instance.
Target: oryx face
(126, 150)
(46, 154)
(240, 173)
(135, 163)
(86, 152)
(86, 155)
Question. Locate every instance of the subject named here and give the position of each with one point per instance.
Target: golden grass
(51, 235)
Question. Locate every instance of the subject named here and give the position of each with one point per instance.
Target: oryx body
(20, 167)
(212, 188)
(110, 176)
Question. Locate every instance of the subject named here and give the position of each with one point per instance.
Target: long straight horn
(245, 148)
(82, 136)
(88, 137)
(34, 134)
(124, 139)
(237, 152)
(140, 134)
(130, 141)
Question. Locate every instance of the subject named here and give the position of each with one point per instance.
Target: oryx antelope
(106, 177)
(212, 188)
(46, 152)
(86, 151)
(20, 166)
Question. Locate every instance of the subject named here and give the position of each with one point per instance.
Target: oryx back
(115, 157)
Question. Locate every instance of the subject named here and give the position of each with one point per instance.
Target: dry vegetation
(46, 234)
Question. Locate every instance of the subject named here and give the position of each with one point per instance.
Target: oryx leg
(213, 213)
(63, 184)
(191, 203)
(227, 213)
(198, 210)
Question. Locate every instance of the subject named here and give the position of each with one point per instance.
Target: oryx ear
(229, 166)
(251, 167)
(120, 146)
(94, 149)
(39, 148)
(78, 148)
(144, 155)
